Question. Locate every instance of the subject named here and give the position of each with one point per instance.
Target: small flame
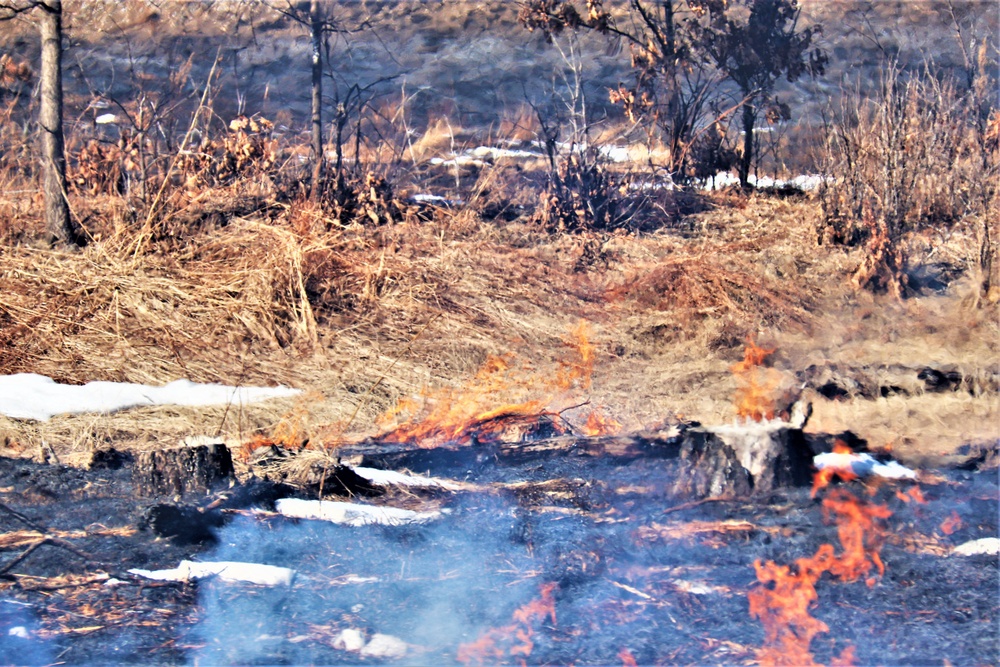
(951, 524)
(599, 423)
(628, 660)
(823, 477)
(755, 396)
(859, 535)
(580, 368)
(785, 595)
(477, 409)
(912, 495)
(847, 658)
(515, 639)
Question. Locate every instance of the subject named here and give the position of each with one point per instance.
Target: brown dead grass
(362, 316)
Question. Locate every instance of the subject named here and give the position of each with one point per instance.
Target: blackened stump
(742, 460)
(183, 470)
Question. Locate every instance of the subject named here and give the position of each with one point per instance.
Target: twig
(140, 241)
(23, 519)
(27, 552)
(696, 503)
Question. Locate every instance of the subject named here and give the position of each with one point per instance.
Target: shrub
(916, 156)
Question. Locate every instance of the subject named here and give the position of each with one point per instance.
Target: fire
(481, 408)
(628, 660)
(785, 594)
(859, 535)
(951, 524)
(912, 495)
(581, 369)
(515, 639)
(599, 423)
(757, 385)
(823, 477)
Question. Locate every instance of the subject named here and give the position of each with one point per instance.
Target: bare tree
(50, 118)
(315, 15)
(682, 50)
(672, 83)
(754, 43)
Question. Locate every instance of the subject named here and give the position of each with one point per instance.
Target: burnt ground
(633, 567)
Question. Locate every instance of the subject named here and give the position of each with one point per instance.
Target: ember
(951, 524)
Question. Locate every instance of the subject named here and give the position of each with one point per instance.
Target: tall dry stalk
(915, 157)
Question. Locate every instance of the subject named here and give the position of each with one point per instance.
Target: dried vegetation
(208, 260)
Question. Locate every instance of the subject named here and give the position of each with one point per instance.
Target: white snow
(804, 182)
(986, 546)
(106, 118)
(32, 396)
(436, 200)
(249, 573)
(351, 514)
(393, 478)
(863, 465)
(615, 153)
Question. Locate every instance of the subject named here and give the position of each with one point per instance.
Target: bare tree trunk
(316, 24)
(57, 218)
(749, 118)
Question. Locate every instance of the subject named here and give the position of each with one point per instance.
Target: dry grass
(362, 316)
(247, 283)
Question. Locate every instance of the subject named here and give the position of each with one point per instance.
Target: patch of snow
(725, 179)
(697, 587)
(495, 153)
(232, 571)
(987, 546)
(615, 153)
(106, 118)
(436, 200)
(393, 478)
(384, 646)
(653, 186)
(32, 396)
(351, 514)
(457, 161)
(349, 639)
(863, 465)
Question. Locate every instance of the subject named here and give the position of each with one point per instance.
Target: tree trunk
(316, 24)
(57, 218)
(749, 118)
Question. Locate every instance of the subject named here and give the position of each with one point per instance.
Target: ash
(634, 569)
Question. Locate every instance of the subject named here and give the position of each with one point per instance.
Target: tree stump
(181, 470)
(742, 460)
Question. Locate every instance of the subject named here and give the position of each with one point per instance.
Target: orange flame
(847, 658)
(823, 477)
(912, 495)
(599, 423)
(951, 524)
(457, 415)
(628, 660)
(487, 649)
(754, 397)
(784, 596)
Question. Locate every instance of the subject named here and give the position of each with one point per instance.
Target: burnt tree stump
(742, 460)
(182, 470)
